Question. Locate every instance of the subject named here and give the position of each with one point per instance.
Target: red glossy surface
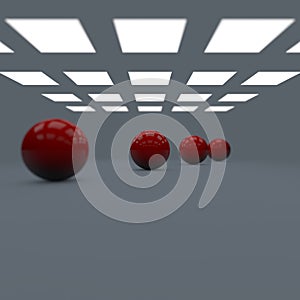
(219, 149)
(150, 144)
(193, 149)
(47, 149)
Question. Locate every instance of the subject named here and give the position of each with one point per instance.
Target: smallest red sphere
(219, 149)
(193, 149)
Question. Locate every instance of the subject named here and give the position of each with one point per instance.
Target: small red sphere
(219, 149)
(50, 148)
(150, 149)
(193, 149)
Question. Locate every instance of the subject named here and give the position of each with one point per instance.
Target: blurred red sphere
(50, 147)
(150, 149)
(219, 149)
(193, 149)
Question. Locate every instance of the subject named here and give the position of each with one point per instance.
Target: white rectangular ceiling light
(80, 108)
(62, 97)
(219, 108)
(210, 77)
(184, 108)
(150, 97)
(270, 77)
(237, 97)
(115, 108)
(29, 77)
(106, 97)
(193, 97)
(246, 35)
(5, 49)
(150, 78)
(54, 35)
(150, 108)
(150, 35)
(89, 77)
(294, 49)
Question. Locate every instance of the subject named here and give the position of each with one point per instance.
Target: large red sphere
(50, 148)
(193, 149)
(219, 149)
(150, 149)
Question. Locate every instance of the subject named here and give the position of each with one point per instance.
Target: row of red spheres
(150, 149)
(50, 148)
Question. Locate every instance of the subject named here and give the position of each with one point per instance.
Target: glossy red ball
(50, 148)
(150, 149)
(219, 149)
(193, 149)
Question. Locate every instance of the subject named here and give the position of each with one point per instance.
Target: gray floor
(244, 245)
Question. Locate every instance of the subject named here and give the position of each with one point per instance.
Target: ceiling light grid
(29, 77)
(193, 97)
(106, 97)
(210, 77)
(237, 97)
(149, 108)
(247, 35)
(150, 77)
(219, 108)
(115, 108)
(80, 108)
(150, 35)
(271, 78)
(184, 108)
(89, 77)
(62, 97)
(52, 35)
(5, 49)
(150, 97)
(294, 49)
